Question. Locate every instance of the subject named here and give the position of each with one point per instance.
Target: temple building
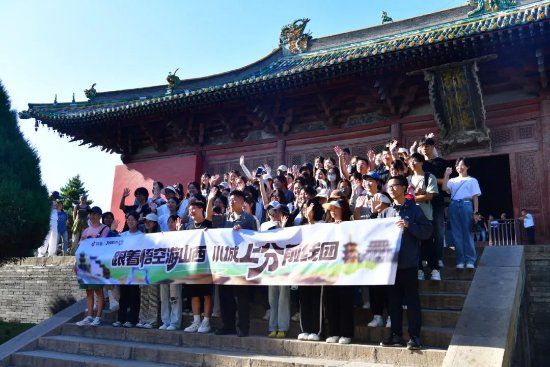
(476, 76)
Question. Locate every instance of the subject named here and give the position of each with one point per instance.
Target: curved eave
(296, 70)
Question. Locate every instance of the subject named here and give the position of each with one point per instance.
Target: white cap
(282, 167)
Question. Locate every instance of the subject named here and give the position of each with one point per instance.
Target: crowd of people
(408, 184)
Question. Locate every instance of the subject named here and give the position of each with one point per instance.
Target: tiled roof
(284, 67)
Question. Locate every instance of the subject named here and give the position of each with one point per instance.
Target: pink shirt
(95, 232)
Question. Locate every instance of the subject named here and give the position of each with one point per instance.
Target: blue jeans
(279, 303)
(461, 217)
(65, 240)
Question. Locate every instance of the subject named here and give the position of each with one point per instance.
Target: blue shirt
(61, 222)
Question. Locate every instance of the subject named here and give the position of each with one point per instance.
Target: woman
(128, 310)
(205, 184)
(170, 294)
(464, 191)
(329, 163)
(321, 178)
(157, 190)
(338, 300)
(80, 217)
(333, 177)
(173, 205)
(149, 298)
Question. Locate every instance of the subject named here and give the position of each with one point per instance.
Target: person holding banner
(237, 219)
(338, 300)
(128, 304)
(95, 230)
(415, 228)
(196, 291)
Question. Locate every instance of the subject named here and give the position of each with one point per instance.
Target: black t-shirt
(437, 167)
(205, 224)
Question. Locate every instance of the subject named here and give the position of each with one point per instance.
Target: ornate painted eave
(278, 72)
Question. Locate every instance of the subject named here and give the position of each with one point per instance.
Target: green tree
(24, 200)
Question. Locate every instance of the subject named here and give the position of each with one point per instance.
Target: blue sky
(63, 46)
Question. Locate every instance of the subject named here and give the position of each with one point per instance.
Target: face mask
(331, 177)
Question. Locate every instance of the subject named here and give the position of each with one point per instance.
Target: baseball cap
(373, 175)
(152, 217)
(95, 209)
(282, 167)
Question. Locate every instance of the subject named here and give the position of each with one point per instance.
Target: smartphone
(259, 172)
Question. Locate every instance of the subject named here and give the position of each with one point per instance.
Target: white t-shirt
(265, 226)
(128, 233)
(417, 181)
(528, 221)
(463, 188)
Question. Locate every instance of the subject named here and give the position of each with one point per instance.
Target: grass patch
(9, 330)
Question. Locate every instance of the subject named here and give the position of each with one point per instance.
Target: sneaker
(303, 336)
(436, 275)
(128, 324)
(140, 324)
(96, 322)
(216, 314)
(281, 334)
(171, 328)
(404, 307)
(440, 264)
(296, 317)
(366, 306)
(85, 321)
(272, 334)
(163, 327)
(333, 339)
(344, 340)
(470, 266)
(117, 324)
(420, 274)
(376, 321)
(414, 343)
(267, 314)
(460, 266)
(388, 322)
(148, 325)
(205, 327)
(193, 328)
(313, 337)
(393, 341)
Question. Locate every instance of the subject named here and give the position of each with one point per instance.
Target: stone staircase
(70, 345)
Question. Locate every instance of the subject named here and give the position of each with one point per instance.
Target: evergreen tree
(24, 200)
(71, 192)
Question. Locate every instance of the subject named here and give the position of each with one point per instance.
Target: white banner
(360, 252)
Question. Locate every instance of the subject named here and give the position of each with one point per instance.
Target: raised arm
(210, 203)
(245, 169)
(446, 176)
(342, 162)
(125, 193)
(265, 199)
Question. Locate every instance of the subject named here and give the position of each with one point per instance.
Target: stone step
(444, 286)
(442, 301)
(210, 350)
(451, 273)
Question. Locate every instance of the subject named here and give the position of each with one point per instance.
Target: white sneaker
(85, 321)
(117, 324)
(366, 306)
(404, 307)
(420, 274)
(440, 264)
(128, 324)
(140, 324)
(333, 339)
(267, 314)
(376, 321)
(96, 322)
(193, 328)
(148, 325)
(344, 340)
(388, 322)
(460, 266)
(470, 266)
(296, 317)
(163, 327)
(436, 275)
(313, 337)
(205, 327)
(171, 328)
(303, 336)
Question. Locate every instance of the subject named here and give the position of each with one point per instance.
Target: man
(62, 229)
(196, 291)
(279, 183)
(237, 219)
(425, 190)
(436, 166)
(529, 225)
(384, 168)
(415, 228)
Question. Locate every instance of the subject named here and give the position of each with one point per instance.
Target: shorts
(90, 286)
(198, 290)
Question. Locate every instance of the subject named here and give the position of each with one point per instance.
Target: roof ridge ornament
(386, 18)
(488, 6)
(173, 80)
(293, 39)
(90, 93)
